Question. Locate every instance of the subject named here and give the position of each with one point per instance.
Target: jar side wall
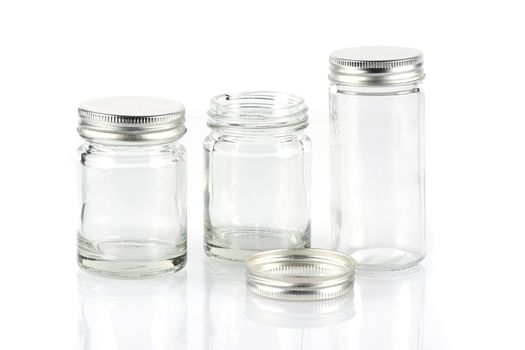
(257, 196)
(133, 209)
(377, 176)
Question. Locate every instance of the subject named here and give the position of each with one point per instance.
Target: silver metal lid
(376, 65)
(300, 274)
(131, 119)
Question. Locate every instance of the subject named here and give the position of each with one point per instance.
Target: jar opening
(258, 109)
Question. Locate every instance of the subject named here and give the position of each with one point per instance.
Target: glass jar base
(131, 269)
(130, 259)
(385, 259)
(230, 254)
(226, 244)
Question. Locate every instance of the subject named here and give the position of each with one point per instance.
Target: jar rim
(258, 109)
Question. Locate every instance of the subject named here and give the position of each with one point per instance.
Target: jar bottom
(130, 259)
(239, 243)
(385, 259)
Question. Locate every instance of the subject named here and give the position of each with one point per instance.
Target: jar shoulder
(97, 155)
(415, 88)
(301, 144)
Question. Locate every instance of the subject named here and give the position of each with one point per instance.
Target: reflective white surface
(132, 314)
(238, 319)
(389, 315)
(384, 312)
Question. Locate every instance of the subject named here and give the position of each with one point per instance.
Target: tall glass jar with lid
(133, 187)
(377, 156)
(258, 174)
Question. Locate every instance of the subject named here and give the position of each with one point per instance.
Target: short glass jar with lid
(133, 187)
(258, 174)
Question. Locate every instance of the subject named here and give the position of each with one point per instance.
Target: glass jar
(377, 156)
(258, 174)
(133, 184)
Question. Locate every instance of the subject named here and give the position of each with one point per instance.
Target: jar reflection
(238, 319)
(389, 310)
(130, 314)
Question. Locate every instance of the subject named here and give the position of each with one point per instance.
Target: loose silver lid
(376, 65)
(131, 119)
(300, 274)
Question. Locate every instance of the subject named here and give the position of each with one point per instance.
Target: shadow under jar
(258, 175)
(133, 187)
(377, 156)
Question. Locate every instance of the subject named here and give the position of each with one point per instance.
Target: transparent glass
(133, 215)
(377, 175)
(258, 175)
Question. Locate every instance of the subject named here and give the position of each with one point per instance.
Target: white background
(55, 54)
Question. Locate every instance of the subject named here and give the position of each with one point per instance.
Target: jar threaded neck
(258, 110)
